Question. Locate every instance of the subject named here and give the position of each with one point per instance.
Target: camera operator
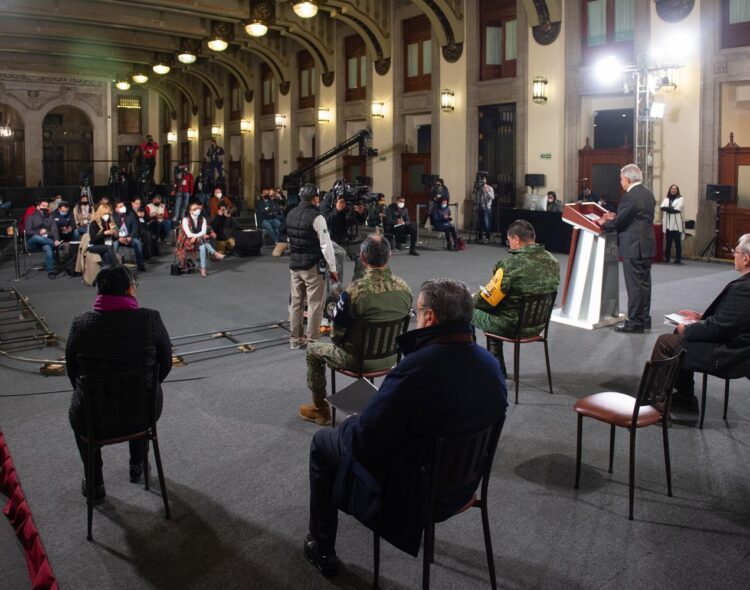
(148, 153)
(397, 222)
(338, 215)
(183, 180)
(214, 155)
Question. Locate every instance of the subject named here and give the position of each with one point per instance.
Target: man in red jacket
(184, 181)
(148, 152)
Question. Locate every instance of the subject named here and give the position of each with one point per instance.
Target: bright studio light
(674, 49)
(657, 110)
(608, 70)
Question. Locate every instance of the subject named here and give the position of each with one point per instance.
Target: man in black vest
(310, 249)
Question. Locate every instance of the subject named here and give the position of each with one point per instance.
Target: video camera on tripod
(354, 194)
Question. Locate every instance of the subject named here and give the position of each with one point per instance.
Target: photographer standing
(183, 180)
(148, 153)
(214, 155)
(338, 216)
(309, 245)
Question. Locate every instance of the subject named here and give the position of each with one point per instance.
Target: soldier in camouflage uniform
(529, 269)
(378, 296)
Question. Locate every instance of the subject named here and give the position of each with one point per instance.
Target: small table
(352, 399)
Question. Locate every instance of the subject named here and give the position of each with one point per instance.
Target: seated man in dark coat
(717, 340)
(446, 384)
(116, 337)
(398, 224)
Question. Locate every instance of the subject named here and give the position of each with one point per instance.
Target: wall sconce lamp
(324, 115)
(246, 126)
(539, 90)
(192, 134)
(280, 120)
(377, 109)
(171, 137)
(447, 100)
(215, 130)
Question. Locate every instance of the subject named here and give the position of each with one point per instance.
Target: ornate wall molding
(44, 79)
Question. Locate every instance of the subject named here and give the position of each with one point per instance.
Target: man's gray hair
(375, 250)
(449, 300)
(632, 173)
(743, 244)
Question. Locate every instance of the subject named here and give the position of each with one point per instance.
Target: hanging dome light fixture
(122, 84)
(139, 75)
(217, 43)
(186, 57)
(262, 13)
(306, 9)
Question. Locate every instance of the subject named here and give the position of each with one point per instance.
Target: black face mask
(44, 212)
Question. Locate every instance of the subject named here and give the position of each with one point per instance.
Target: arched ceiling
(108, 37)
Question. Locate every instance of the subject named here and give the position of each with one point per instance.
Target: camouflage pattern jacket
(378, 296)
(530, 269)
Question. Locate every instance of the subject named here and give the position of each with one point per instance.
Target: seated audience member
(224, 227)
(397, 222)
(55, 203)
(553, 205)
(528, 269)
(159, 222)
(378, 296)
(588, 196)
(219, 198)
(193, 237)
(42, 234)
(717, 340)
(117, 328)
(103, 234)
(128, 232)
(82, 213)
(149, 242)
(66, 223)
(269, 212)
(441, 218)
(446, 384)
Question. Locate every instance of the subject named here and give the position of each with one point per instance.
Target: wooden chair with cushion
(120, 407)
(379, 342)
(536, 310)
(648, 408)
(455, 462)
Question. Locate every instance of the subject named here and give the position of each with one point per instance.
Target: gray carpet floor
(235, 456)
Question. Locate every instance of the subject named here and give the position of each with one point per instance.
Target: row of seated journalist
(417, 400)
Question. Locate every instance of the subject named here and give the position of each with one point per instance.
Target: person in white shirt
(672, 223)
(486, 196)
(193, 236)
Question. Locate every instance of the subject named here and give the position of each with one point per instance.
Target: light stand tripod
(716, 244)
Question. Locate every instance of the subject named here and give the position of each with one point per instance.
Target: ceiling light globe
(186, 57)
(217, 44)
(256, 29)
(305, 9)
(161, 69)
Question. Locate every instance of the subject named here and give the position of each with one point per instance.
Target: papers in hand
(676, 318)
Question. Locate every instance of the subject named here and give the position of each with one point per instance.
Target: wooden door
(267, 172)
(354, 166)
(413, 167)
(734, 218)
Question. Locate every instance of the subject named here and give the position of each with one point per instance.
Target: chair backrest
(536, 310)
(462, 459)
(119, 404)
(379, 340)
(657, 382)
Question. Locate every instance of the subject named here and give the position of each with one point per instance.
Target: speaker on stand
(718, 193)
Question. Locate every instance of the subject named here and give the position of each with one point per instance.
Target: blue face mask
(444, 205)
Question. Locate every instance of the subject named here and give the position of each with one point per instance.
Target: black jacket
(304, 245)
(442, 387)
(393, 214)
(720, 342)
(634, 224)
(223, 226)
(120, 341)
(36, 221)
(131, 223)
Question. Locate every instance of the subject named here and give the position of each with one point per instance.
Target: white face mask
(196, 213)
(122, 210)
(105, 217)
(218, 195)
(444, 205)
(400, 205)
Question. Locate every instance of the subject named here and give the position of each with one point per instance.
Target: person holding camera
(148, 153)
(441, 218)
(310, 250)
(193, 237)
(184, 182)
(339, 215)
(397, 222)
(224, 227)
(214, 155)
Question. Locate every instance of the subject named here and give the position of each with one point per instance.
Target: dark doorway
(613, 129)
(497, 153)
(12, 148)
(67, 149)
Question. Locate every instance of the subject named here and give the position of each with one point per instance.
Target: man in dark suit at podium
(634, 224)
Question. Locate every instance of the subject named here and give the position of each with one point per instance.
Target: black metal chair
(535, 310)
(119, 408)
(379, 342)
(649, 407)
(457, 461)
(703, 395)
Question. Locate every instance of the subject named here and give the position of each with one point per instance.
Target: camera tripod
(716, 245)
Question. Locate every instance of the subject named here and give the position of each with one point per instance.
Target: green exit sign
(546, 156)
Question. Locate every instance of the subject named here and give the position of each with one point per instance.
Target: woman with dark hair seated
(118, 336)
(102, 234)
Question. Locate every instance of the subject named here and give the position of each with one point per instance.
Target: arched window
(268, 90)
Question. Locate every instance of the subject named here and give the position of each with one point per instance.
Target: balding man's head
(375, 251)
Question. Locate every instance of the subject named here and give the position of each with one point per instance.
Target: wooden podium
(591, 290)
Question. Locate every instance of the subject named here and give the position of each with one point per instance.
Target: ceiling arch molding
(197, 72)
(187, 91)
(376, 42)
(280, 71)
(313, 45)
(238, 71)
(447, 21)
(166, 95)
